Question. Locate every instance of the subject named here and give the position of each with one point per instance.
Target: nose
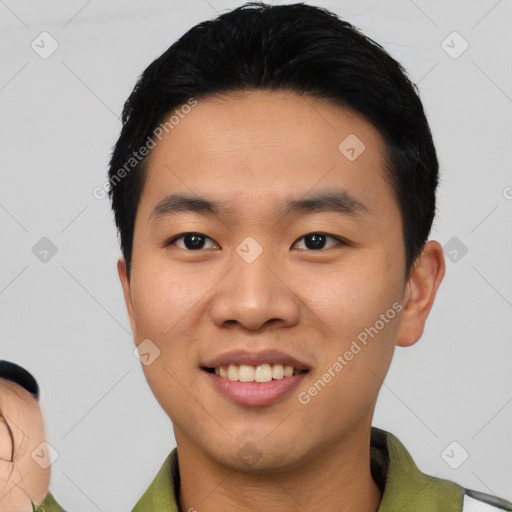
(255, 293)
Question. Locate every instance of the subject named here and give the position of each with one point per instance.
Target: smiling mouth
(258, 374)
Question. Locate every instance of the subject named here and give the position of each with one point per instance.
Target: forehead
(15, 394)
(265, 147)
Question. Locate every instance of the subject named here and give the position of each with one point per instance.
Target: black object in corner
(24, 378)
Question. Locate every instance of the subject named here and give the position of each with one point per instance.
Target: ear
(421, 289)
(125, 282)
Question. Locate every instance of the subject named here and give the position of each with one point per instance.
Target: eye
(192, 241)
(196, 241)
(316, 241)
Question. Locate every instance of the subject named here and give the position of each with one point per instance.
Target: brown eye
(317, 241)
(191, 241)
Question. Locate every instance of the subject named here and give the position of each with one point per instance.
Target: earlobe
(420, 293)
(125, 282)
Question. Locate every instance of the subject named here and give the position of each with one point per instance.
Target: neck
(334, 479)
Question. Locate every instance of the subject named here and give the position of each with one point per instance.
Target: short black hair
(298, 48)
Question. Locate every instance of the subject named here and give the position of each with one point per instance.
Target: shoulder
(404, 482)
(49, 505)
(475, 501)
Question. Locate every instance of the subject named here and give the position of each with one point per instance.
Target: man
(274, 188)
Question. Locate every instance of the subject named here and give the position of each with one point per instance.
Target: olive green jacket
(405, 487)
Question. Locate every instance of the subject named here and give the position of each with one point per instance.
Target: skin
(22, 479)
(255, 150)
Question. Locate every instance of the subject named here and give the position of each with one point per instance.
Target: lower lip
(256, 394)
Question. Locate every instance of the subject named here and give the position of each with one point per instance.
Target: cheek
(351, 300)
(6, 447)
(37, 479)
(36, 476)
(361, 311)
(161, 310)
(363, 319)
(158, 301)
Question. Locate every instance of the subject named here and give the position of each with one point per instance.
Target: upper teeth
(261, 373)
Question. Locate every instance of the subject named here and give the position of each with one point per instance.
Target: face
(260, 281)
(21, 477)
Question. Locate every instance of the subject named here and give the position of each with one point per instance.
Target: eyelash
(340, 241)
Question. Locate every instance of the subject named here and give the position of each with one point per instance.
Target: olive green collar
(406, 487)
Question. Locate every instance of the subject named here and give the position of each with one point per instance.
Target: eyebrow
(339, 201)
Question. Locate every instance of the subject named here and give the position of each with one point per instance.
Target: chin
(258, 456)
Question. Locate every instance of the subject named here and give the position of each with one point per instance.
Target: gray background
(65, 320)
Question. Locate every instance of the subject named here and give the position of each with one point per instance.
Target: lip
(255, 394)
(255, 358)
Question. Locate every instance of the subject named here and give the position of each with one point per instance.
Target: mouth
(255, 379)
(259, 374)
(254, 386)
